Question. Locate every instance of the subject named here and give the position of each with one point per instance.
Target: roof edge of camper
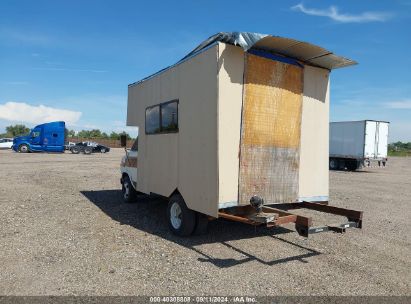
(305, 52)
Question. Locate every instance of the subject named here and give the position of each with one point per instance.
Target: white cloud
(333, 13)
(23, 112)
(401, 104)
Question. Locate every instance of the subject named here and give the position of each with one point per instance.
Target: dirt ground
(64, 230)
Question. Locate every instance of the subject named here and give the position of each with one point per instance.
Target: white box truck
(240, 121)
(354, 144)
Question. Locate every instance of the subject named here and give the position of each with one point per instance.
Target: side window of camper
(169, 117)
(162, 118)
(35, 133)
(153, 120)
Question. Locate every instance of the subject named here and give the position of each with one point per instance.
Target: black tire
(201, 226)
(352, 165)
(181, 220)
(75, 150)
(334, 164)
(24, 148)
(129, 193)
(103, 150)
(88, 150)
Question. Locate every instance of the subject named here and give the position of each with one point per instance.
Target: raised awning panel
(305, 52)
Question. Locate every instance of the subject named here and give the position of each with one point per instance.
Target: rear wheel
(23, 148)
(334, 164)
(201, 226)
(129, 193)
(88, 150)
(352, 165)
(75, 150)
(181, 220)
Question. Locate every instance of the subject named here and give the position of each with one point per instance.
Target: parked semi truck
(238, 129)
(47, 137)
(354, 144)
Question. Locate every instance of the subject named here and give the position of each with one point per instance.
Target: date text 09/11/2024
(203, 299)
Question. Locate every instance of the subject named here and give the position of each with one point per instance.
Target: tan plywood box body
(228, 123)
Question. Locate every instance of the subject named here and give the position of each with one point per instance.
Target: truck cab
(128, 169)
(47, 137)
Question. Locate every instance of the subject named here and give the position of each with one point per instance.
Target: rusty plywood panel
(270, 131)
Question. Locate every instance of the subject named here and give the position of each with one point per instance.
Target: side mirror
(123, 141)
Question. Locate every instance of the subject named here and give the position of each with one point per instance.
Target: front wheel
(23, 148)
(129, 193)
(181, 220)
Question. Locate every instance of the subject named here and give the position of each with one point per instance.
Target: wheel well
(174, 192)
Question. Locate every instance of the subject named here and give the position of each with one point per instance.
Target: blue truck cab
(47, 137)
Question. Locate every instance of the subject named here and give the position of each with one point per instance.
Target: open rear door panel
(270, 130)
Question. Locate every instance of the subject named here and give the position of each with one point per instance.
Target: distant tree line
(95, 133)
(399, 146)
(18, 130)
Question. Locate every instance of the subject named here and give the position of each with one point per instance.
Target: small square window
(169, 117)
(153, 120)
(162, 118)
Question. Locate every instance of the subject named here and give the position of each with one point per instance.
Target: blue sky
(75, 58)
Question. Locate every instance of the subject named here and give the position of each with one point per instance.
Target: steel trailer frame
(279, 215)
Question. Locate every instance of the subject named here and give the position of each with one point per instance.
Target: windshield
(35, 133)
(27, 134)
(134, 147)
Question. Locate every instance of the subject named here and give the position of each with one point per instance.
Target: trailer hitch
(277, 215)
(341, 228)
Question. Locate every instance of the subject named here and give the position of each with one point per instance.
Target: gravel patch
(64, 230)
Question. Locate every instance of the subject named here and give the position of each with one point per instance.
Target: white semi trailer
(354, 144)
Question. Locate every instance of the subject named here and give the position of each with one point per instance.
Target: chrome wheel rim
(23, 148)
(176, 215)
